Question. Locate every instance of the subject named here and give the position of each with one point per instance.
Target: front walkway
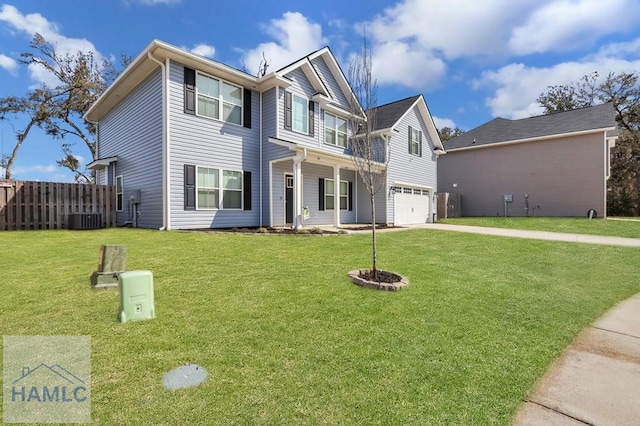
(597, 379)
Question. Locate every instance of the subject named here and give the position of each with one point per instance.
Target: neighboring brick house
(193, 143)
(549, 165)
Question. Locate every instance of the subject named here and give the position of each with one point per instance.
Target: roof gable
(502, 130)
(389, 116)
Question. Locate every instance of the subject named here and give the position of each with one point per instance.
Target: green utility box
(136, 296)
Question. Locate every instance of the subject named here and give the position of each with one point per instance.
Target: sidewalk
(536, 235)
(597, 379)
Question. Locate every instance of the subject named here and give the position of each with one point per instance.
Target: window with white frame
(415, 141)
(329, 194)
(232, 189)
(219, 189)
(119, 192)
(208, 188)
(335, 130)
(213, 92)
(300, 114)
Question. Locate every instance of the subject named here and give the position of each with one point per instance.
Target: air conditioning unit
(85, 221)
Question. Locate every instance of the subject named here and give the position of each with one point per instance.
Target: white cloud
(8, 63)
(36, 168)
(33, 23)
(517, 86)
(455, 28)
(295, 36)
(568, 24)
(620, 50)
(403, 64)
(441, 123)
(202, 49)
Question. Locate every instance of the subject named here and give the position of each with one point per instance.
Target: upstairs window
(335, 130)
(300, 114)
(415, 142)
(212, 93)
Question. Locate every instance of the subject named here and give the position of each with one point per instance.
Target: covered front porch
(314, 188)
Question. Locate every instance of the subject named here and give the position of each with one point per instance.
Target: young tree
(369, 150)
(58, 110)
(623, 91)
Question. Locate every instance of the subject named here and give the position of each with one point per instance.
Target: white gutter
(165, 143)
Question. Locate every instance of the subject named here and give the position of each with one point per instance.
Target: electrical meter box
(136, 296)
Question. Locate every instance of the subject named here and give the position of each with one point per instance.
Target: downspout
(261, 142)
(165, 143)
(95, 155)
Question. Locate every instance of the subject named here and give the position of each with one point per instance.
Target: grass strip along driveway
(287, 339)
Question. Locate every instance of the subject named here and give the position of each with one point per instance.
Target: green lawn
(611, 227)
(287, 339)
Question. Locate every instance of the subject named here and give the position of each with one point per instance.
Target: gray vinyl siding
(407, 168)
(364, 204)
(211, 143)
(133, 131)
(563, 176)
(329, 80)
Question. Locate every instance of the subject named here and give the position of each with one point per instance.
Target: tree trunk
(374, 270)
(21, 137)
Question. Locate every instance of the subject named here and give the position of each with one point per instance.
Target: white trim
(335, 129)
(412, 185)
(101, 163)
(536, 139)
(121, 177)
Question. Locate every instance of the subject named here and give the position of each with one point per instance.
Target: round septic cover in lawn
(184, 376)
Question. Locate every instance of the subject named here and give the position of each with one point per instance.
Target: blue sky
(472, 60)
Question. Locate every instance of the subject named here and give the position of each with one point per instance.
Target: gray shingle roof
(388, 114)
(504, 130)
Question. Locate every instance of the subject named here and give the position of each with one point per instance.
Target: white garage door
(411, 205)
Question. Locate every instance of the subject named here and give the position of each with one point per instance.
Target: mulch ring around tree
(382, 280)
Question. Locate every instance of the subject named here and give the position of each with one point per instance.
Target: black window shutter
(410, 132)
(312, 107)
(189, 90)
(189, 187)
(287, 110)
(247, 108)
(350, 196)
(246, 181)
(321, 198)
(420, 144)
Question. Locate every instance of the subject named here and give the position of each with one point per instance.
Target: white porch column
(297, 191)
(336, 196)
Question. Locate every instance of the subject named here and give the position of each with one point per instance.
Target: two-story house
(193, 143)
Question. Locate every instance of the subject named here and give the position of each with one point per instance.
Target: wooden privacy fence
(48, 205)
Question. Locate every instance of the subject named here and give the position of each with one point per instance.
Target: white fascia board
(536, 139)
(101, 163)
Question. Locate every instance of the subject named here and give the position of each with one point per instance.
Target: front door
(288, 198)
